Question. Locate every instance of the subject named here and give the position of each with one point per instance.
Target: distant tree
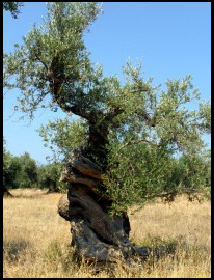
(28, 171)
(42, 174)
(196, 174)
(18, 172)
(6, 165)
(13, 8)
(15, 173)
(48, 177)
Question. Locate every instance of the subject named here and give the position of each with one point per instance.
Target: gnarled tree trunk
(96, 236)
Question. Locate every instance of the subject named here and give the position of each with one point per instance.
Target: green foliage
(48, 176)
(205, 115)
(53, 60)
(13, 8)
(138, 128)
(15, 173)
(64, 135)
(196, 175)
(29, 171)
(6, 166)
(23, 172)
(141, 173)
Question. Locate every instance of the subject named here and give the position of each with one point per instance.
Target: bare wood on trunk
(96, 236)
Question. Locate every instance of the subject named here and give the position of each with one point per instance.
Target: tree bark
(6, 193)
(95, 236)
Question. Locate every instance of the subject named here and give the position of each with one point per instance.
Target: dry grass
(36, 241)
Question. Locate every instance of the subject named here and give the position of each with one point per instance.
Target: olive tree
(127, 129)
(6, 165)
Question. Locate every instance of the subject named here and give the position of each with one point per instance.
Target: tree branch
(170, 195)
(115, 112)
(39, 59)
(150, 120)
(137, 142)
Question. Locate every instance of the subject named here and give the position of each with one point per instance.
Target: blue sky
(174, 39)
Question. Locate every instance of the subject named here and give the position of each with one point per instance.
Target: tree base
(6, 193)
(97, 238)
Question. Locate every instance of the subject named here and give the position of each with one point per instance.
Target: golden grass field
(36, 241)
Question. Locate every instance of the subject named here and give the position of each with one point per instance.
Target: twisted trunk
(96, 236)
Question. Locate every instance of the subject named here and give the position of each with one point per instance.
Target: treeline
(24, 172)
(190, 175)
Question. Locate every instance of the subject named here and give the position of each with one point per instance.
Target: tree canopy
(13, 8)
(130, 128)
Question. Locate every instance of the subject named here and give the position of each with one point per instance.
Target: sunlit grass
(36, 241)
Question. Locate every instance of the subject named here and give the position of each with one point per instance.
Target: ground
(36, 241)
